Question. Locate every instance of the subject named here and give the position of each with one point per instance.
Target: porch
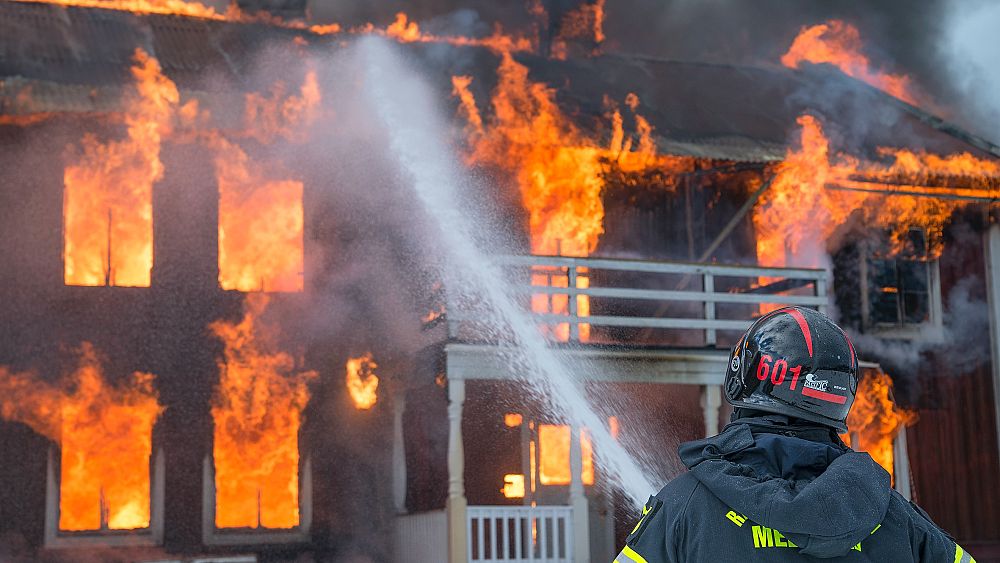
(633, 322)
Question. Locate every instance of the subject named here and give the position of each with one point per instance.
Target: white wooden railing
(520, 533)
(675, 286)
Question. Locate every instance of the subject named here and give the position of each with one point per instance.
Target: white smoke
(971, 49)
(960, 338)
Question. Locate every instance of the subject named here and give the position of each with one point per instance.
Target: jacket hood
(818, 493)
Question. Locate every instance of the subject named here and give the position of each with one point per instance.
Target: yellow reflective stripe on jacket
(645, 511)
(962, 556)
(629, 555)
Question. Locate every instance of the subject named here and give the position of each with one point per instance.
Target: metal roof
(72, 59)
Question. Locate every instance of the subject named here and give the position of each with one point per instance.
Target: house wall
(163, 330)
(953, 445)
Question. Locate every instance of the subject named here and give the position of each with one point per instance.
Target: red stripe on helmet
(824, 396)
(805, 328)
(851, 346)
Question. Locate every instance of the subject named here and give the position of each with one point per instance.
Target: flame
(257, 410)
(553, 455)
(105, 433)
(875, 419)
(513, 486)
(558, 169)
(807, 199)
(512, 419)
(401, 29)
(839, 43)
(174, 7)
(362, 383)
(260, 224)
(584, 22)
(326, 29)
(434, 314)
(404, 30)
(276, 115)
(108, 201)
(194, 9)
(261, 219)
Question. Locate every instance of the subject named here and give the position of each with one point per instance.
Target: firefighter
(778, 484)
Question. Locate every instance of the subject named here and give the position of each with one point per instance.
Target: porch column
(398, 452)
(711, 401)
(578, 500)
(993, 289)
(901, 464)
(456, 504)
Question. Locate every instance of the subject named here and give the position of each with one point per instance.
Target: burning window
(362, 383)
(260, 225)
(260, 216)
(257, 412)
(553, 455)
(108, 198)
(105, 435)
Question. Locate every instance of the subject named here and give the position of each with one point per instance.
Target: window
(107, 229)
(261, 223)
(901, 294)
(82, 509)
(553, 458)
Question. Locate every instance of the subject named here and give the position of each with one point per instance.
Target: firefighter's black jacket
(769, 490)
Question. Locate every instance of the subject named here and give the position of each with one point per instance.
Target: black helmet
(795, 362)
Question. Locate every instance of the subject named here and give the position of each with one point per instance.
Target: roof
(75, 59)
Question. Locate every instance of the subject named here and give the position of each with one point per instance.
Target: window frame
(931, 329)
(213, 536)
(144, 537)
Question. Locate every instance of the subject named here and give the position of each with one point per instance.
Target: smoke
(972, 50)
(959, 339)
(945, 45)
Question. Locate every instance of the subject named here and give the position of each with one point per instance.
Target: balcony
(595, 300)
(632, 320)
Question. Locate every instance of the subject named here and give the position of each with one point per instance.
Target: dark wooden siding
(953, 447)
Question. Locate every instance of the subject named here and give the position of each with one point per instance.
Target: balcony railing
(601, 300)
(518, 534)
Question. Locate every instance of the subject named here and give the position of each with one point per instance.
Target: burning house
(223, 338)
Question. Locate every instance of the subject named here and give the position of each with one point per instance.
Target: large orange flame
(105, 433)
(260, 224)
(875, 419)
(362, 383)
(261, 219)
(257, 411)
(839, 43)
(558, 169)
(807, 199)
(108, 201)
